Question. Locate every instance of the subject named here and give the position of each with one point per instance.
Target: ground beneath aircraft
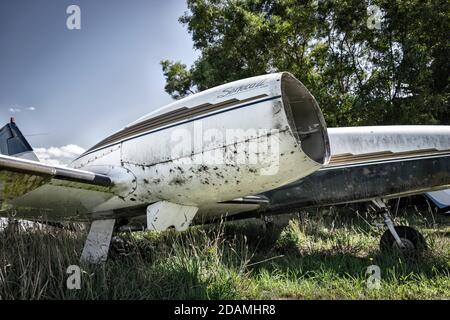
(317, 255)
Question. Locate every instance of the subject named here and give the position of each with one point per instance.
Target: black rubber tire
(389, 245)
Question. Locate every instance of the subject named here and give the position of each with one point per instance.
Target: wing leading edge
(33, 168)
(32, 189)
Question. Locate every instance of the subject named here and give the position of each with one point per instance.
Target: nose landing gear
(403, 239)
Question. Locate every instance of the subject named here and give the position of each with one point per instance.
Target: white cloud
(59, 155)
(16, 109)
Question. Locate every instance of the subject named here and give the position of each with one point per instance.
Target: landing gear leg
(270, 232)
(268, 223)
(98, 241)
(403, 239)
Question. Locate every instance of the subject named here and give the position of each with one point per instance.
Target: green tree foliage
(360, 74)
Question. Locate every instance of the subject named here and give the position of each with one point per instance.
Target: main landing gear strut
(160, 216)
(403, 239)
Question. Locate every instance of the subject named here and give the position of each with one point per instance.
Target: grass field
(310, 255)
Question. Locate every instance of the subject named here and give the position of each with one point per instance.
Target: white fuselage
(237, 139)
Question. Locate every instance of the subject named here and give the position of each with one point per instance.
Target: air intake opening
(306, 119)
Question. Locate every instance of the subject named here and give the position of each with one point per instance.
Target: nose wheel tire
(414, 243)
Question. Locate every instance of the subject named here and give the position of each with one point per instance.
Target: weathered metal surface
(369, 162)
(363, 140)
(278, 122)
(163, 215)
(361, 182)
(12, 164)
(182, 175)
(349, 158)
(13, 185)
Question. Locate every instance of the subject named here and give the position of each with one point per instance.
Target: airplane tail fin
(13, 143)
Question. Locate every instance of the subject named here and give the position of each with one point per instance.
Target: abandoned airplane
(251, 147)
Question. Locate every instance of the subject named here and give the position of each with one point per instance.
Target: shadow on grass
(347, 265)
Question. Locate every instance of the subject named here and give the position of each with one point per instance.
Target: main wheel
(414, 243)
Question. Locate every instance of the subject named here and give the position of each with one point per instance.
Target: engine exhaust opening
(305, 119)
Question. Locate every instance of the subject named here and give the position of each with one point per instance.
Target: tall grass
(308, 256)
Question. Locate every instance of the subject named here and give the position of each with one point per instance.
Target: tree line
(366, 62)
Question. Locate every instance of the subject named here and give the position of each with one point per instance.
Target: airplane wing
(38, 187)
(41, 172)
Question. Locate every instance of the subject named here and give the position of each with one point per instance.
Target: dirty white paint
(185, 178)
(178, 186)
(275, 112)
(163, 215)
(361, 140)
(97, 243)
(144, 169)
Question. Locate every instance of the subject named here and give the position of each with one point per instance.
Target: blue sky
(78, 86)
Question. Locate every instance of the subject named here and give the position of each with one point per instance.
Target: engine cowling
(237, 139)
